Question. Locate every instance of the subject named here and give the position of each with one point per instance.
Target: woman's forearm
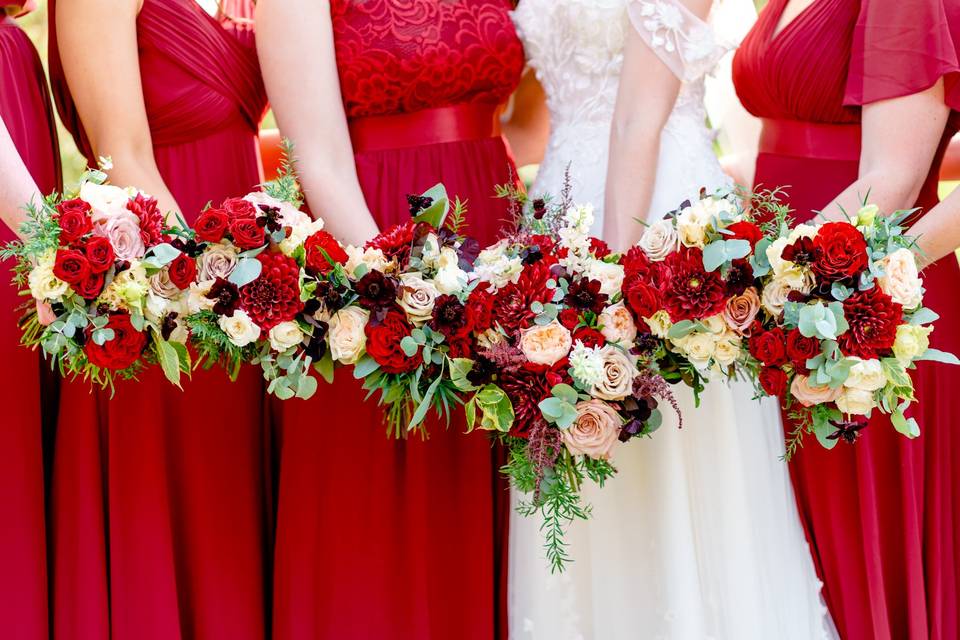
(17, 188)
(631, 175)
(139, 170)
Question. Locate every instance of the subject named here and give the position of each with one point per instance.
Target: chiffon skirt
(378, 538)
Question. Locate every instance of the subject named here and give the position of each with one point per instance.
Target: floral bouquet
(108, 287)
(847, 323)
(560, 370)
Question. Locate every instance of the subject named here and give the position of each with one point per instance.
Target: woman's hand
(938, 232)
(17, 188)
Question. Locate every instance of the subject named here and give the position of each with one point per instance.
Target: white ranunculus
(856, 402)
(659, 324)
(290, 216)
(346, 336)
(912, 342)
(299, 234)
(659, 240)
(285, 335)
(866, 375)
(450, 280)
(692, 225)
(240, 329)
(373, 259)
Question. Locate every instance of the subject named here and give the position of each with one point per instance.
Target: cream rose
(217, 261)
(617, 324)
(123, 232)
(741, 311)
(856, 402)
(619, 371)
(44, 285)
(547, 344)
(450, 280)
(285, 335)
(373, 259)
(106, 201)
(161, 286)
(659, 240)
(911, 342)
(866, 375)
(610, 276)
(809, 394)
(698, 346)
(692, 225)
(417, 297)
(240, 328)
(595, 432)
(346, 336)
(727, 350)
(774, 296)
(299, 234)
(901, 279)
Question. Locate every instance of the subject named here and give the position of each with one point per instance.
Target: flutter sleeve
(685, 43)
(901, 47)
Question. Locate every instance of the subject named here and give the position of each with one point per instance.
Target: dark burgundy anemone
(376, 291)
(449, 316)
(585, 294)
(227, 297)
(801, 252)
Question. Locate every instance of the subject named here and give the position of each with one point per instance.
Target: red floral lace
(399, 56)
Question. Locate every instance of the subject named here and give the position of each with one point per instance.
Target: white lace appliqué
(685, 43)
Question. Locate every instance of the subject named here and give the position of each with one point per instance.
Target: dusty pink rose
(547, 344)
(123, 232)
(809, 395)
(741, 311)
(595, 431)
(45, 314)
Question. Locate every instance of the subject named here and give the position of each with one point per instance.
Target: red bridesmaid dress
(27, 113)
(160, 501)
(378, 538)
(883, 514)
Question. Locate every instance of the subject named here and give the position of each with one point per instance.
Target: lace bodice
(576, 48)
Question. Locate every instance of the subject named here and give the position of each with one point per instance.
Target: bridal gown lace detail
(698, 535)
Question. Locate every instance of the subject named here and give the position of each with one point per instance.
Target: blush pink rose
(123, 232)
(741, 311)
(595, 432)
(809, 395)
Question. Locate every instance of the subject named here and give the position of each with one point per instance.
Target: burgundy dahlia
(396, 241)
(690, 291)
(873, 318)
(274, 297)
(526, 387)
(511, 307)
(151, 219)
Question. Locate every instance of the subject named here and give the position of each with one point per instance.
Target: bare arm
(98, 48)
(939, 229)
(17, 188)
(309, 111)
(900, 137)
(647, 94)
(528, 128)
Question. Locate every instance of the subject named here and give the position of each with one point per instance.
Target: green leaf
(496, 409)
(840, 292)
(904, 425)
(421, 411)
(565, 392)
(470, 409)
(435, 214)
(460, 368)
(164, 254)
(935, 355)
(246, 271)
(306, 387)
(720, 252)
(364, 367)
(169, 361)
(419, 336)
(681, 329)
(924, 316)
(552, 408)
(324, 366)
(823, 428)
(409, 346)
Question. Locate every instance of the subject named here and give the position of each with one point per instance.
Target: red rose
(840, 251)
(744, 230)
(873, 318)
(247, 233)
(773, 380)
(90, 288)
(182, 271)
(800, 349)
(122, 351)
(642, 299)
(599, 248)
(274, 297)
(689, 291)
(589, 336)
(71, 266)
(73, 216)
(99, 254)
(480, 309)
(211, 225)
(569, 318)
(239, 208)
(321, 248)
(769, 347)
(383, 344)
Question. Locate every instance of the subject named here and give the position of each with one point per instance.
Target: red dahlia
(873, 317)
(274, 297)
(526, 387)
(690, 291)
(396, 241)
(151, 219)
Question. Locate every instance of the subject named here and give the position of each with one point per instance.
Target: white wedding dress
(697, 536)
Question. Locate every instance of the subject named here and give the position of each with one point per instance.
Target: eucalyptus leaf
(565, 392)
(246, 271)
(364, 367)
(681, 329)
(163, 254)
(924, 316)
(936, 355)
(409, 346)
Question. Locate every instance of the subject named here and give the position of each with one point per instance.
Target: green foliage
(285, 186)
(213, 346)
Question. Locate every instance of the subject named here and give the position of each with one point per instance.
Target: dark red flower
(800, 349)
(773, 380)
(802, 251)
(91, 287)
(71, 266)
(183, 271)
(376, 291)
(873, 318)
(274, 297)
(635, 261)
(396, 241)
(744, 230)
(641, 298)
(122, 351)
(739, 277)
(585, 295)
(151, 219)
(73, 217)
(383, 344)
(239, 208)
(689, 291)
(599, 248)
(449, 316)
(589, 336)
(227, 297)
(511, 307)
(211, 225)
(569, 318)
(526, 387)
(247, 234)
(99, 254)
(546, 244)
(480, 309)
(841, 251)
(321, 248)
(769, 347)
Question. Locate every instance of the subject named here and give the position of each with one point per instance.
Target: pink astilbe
(543, 448)
(649, 385)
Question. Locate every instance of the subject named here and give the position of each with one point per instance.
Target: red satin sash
(811, 140)
(472, 121)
